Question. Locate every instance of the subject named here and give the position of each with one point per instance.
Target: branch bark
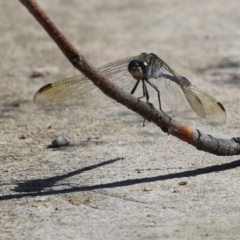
(204, 142)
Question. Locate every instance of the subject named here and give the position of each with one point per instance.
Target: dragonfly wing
(80, 91)
(184, 98)
(190, 102)
(174, 97)
(214, 110)
(69, 91)
(195, 102)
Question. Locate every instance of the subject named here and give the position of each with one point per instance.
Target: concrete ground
(117, 180)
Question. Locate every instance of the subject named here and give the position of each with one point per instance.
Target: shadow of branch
(36, 187)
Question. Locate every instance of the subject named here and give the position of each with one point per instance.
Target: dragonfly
(177, 92)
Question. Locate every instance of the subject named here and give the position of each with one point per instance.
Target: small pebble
(176, 190)
(43, 71)
(39, 72)
(23, 136)
(60, 142)
(183, 183)
(73, 201)
(147, 189)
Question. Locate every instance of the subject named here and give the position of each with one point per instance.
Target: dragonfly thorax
(138, 69)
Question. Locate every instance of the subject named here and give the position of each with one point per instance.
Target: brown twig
(207, 143)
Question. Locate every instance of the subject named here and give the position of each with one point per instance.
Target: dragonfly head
(138, 69)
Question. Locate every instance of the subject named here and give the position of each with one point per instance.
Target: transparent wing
(189, 101)
(181, 96)
(80, 91)
(214, 110)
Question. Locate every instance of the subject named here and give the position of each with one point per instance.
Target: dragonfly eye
(138, 69)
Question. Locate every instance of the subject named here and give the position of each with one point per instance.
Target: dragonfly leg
(158, 92)
(145, 91)
(135, 87)
(145, 94)
(144, 120)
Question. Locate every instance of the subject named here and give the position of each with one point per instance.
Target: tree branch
(207, 143)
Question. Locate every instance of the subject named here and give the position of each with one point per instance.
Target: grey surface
(117, 180)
